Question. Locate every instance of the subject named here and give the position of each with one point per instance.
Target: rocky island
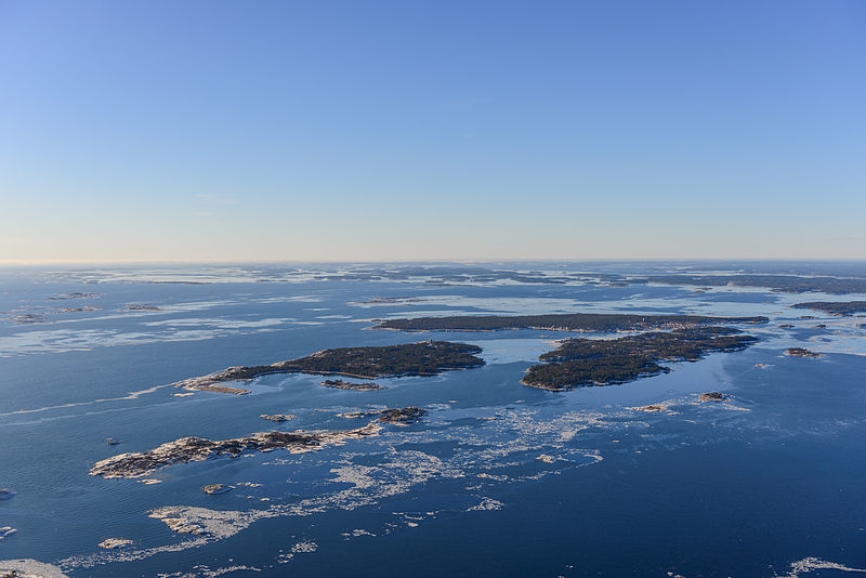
(397, 416)
(74, 295)
(84, 309)
(402, 416)
(426, 358)
(28, 318)
(802, 352)
(592, 362)
(115, 543)
(142, 307)
(195, 449)
(600, 322)
(277, 417)
(389, 301)
(216, 489)
(351, 385)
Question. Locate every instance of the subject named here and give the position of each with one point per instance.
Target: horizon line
(156, 262)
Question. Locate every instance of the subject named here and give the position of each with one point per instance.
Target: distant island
(600, 322)
(82, 309)
(389, 301)
(834, 307)
(141, 307)
(28, 318)
(74, 295)
(594, 362)
(781, 283)
(425, 358)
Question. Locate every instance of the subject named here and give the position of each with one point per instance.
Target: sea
(497, 479)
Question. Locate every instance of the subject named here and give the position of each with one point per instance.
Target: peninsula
(426, 358)
(600, 322)
(592, 362)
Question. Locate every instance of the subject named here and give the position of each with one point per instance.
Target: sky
(230, 131)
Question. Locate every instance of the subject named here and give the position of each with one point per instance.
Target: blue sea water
(497, 480)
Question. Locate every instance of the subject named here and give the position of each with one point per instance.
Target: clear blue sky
(378, 130)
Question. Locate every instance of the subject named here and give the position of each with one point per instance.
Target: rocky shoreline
(277, 417)
(398, 416)
(115, 543)
(351, 385)
(802, 352)
(195, 449)
(216, 489)
(425, 358)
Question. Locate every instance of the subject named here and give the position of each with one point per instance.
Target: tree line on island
(841, 308)
(425, 358)
(586, 362)
(575, 363)
(782, 283)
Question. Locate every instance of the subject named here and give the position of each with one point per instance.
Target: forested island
(445, 275)
(600, 322)
(841, 308)
(591, 362)
(782, 283)
(425, 358)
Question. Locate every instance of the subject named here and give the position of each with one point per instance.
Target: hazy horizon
(724, 264)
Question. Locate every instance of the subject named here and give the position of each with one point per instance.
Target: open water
(497, 480)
